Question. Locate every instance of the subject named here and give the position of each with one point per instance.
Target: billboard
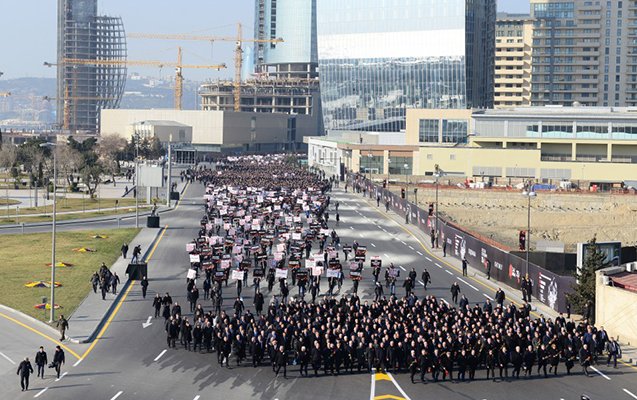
(612, 252)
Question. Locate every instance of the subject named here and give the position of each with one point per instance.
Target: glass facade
(454, 131)
(378, 58)
(294, 21)
(428, 131)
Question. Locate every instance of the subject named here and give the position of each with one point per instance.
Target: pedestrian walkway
(89, 317)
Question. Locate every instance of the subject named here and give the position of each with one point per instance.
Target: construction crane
(238, 52)
(179, 66)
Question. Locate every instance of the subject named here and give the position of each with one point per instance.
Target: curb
(117, 299)
(43, 325)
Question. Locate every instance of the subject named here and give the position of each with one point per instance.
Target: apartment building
(513, 41)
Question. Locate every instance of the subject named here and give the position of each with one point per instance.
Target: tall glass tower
(378, 58)
(294, 21)
(85, 89)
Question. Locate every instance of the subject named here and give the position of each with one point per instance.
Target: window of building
(428, 130)
(454, 131)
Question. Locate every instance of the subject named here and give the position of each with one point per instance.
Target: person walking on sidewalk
(95, 281)
(41, 361)
(114, 282)
(464, 266)
(444, 248)
(144, 284)
(25, 370)
(487, 264)
(58, 360)
(137, 251)
(62, 325)
(124, 250)
(614, 351)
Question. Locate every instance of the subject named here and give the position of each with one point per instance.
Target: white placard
(333, 273)
(192, 274)
(194, 258)
(237, 275)
(281, 273)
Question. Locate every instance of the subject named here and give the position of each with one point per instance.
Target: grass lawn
(5, 201)
(25, 258)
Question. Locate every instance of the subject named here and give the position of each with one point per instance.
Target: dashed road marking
(403, 243)
(401, 267)
(428, 259)
(61, 376)
(468, 284)
(419, 253)
(449, 272)
(351, 227)
(384, 230)
(421, 282)
(196, 397)
(629, 393)
(385, 254)
(445, 301)
(373, 245)
(361, 234)
(47, 388)
(487, 296)
(78, 362)
(160, 355)
(7, 358)
(117, 395)
(438, 265)
(600, 373)
(411, 247)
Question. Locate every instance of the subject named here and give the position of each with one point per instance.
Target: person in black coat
(58, 359)
(413, 365)
(529, 360)
(423, 364)
(281, 361)
(41, 361)
(554, 358)
(144, 285)
(462, 362)
(197, 336)
(304, 360)
(258, 301)
(569, 356)
(472, 363)
(517, 359)
(490, 363)
(542, 359)
(317, 357)
(503, 362)
(24, 370)
(455, 290)
(585, 358)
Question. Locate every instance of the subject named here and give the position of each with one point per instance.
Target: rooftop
(561, 112)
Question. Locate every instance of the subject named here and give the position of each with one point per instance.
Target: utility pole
(168, 189)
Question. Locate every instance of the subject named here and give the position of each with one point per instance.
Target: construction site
(564, 216)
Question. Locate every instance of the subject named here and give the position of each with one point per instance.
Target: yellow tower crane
(179, 66)
(238, 52)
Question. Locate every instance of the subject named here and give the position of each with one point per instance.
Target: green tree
(584, 291)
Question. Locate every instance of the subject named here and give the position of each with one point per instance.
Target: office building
(294, 21)
(85, 89)
(584, 52)
(594, 146)
(513, 39)
(377, 59)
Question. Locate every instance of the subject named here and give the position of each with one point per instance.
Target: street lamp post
(529, 194)
(53, 227)
(405, 166)
(437, 174)
(170, 139)
(136, 190)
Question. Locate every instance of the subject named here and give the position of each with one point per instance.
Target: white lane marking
(468, 284)
(373, 245)
(398, 386)
(351, 227)
(117, 395)
(361, 234)
(419, 253)
(46, 388)
(78, 362)
(445, 301)
(487, 296)
(449, 272)
(373, 390)
(601, 373)
(421, 282)
(196, 397)
(7, 358)
(385, 230)
(438, 265)
(629, 393)
(385, 254)
(411, 248)
(160, 355)
(428, 259)
(401, 267)
(61, 376)
(403, 243)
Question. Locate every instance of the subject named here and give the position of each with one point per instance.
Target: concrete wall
(616, 311)
(415, 115)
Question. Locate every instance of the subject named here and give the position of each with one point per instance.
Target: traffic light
(402, 193)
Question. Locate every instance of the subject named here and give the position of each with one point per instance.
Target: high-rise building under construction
(84, 88)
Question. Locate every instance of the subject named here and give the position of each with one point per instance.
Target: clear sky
(28, 32)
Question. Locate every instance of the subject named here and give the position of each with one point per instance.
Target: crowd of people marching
(263, 218)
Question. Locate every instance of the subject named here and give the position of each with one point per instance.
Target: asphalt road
(132, 362)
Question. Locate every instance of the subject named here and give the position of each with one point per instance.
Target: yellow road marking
(388, 396)
(382, 377)
(68, 350)
(121, 301)
(182, 197)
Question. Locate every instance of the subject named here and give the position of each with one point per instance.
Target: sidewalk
(629, 353)
(89, 317)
